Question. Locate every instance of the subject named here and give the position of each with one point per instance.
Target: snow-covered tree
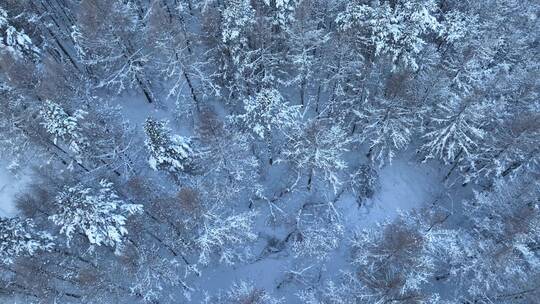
(243, 292)
(168, 152)
(318, 231)
(232, 169)
(394, 261)
(330, 293)
(397, 29)
(64, 127)
(499, 254)
(266, 117)
(108, 42)
(246, 59)
(224, 235)
(308, 43)
(157, 277)
(457, 25)
(387, 126)
(19, 237)
(267, 113)
(512, 151)
(318, 146)
(97, 213)
(172, 51)
(391, 262)
(314, 84)
(15, 41)
(509, 122)
(237, 17)
(364, 182)
(455, 130)
(283, 11)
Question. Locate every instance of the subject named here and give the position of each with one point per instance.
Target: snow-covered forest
(270, 151)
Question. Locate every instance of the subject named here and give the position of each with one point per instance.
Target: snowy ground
(10, 185)
(405, 185)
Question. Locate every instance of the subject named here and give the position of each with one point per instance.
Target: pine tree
(168, 152)
(397, 29)
(65, 127)
(97, 213)
(15, 41)
(20, 237)
(267, 113)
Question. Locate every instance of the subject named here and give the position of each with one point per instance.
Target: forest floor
(404, 186)
(10, 185)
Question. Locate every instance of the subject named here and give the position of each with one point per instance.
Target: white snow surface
(404, 185)
(10, 186)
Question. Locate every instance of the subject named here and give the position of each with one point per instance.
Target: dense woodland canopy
(169, 144)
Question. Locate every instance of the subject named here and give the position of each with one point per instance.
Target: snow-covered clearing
(404, 185)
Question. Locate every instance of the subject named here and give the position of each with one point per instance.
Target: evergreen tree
(15, 41)
(397, 29)
(168, 152)
(267, 113)
(99, 214)
(20, 237)
(65, 127)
